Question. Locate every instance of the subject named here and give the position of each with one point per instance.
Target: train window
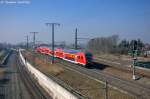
(78, 57)
(88, 54)
(69, 58)
(88, 57)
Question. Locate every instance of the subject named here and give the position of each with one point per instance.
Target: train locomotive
(84, 58)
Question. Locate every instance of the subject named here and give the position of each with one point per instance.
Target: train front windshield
(88, 57)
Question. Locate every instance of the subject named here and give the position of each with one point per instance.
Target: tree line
(114, 45)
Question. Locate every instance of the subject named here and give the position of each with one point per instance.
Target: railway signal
(133, 74)
(135, 53)
(53, 25)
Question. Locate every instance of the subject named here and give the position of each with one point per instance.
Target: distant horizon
(130, 19)
(68, 43)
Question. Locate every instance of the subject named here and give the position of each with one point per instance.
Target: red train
(74, 56)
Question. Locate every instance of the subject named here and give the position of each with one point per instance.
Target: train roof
(75, 51)
(71, 51)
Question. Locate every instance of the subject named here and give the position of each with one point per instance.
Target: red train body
(74, 56)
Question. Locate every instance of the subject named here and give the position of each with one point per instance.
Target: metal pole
(76, 46)
(34, 38)
(27, 41)
(133, 72)
(134, 61)
(53, 41)
(106, 90)
(34, 45)
(27, 38)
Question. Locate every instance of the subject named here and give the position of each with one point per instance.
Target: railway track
(138, 90)
(127, 69)
(36, 92)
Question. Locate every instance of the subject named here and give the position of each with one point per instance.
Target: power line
(53, 41)
(83, 38)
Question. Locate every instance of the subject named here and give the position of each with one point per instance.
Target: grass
(2, 70)
(90, 88)
(2, 54)
(113, 56)
(125, 75)
(43, 64)
(86, 86)
(143, 64)
(112, 68)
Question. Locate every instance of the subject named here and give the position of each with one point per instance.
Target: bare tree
(103, 44)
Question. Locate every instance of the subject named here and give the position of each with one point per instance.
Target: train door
(80, 59)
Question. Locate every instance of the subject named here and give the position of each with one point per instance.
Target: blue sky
(130, 19)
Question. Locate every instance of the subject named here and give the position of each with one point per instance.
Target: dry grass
(114, 57)
(89, 87)
(54, 69)
(2, 70)
(86, 86)
(120, 57)
(118, 73)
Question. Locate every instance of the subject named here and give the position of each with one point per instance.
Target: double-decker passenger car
(44, 50)
(75, 56)
(58, 52)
